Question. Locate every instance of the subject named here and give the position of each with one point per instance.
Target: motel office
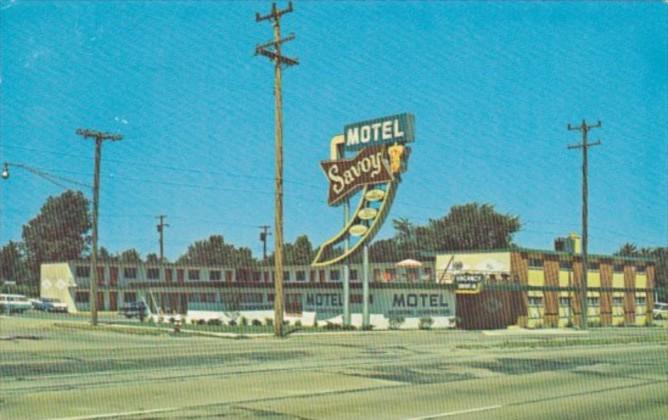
(525, 287)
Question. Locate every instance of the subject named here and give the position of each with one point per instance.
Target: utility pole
(263, 237)
(585, 145)
(99, 138)
(161, 230)
(272, 50)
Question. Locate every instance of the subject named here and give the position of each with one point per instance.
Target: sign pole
(346, 269)
(365, 287)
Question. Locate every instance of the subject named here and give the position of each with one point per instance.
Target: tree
(152, 258)
(12, 263)
(131, 256)
(214, 251)
(471, 226)
(58, 232)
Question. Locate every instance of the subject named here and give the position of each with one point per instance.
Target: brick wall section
(629, 295)
(606, 297)
(576, 307)
(651, 276)
(519, 269)
(551, 298)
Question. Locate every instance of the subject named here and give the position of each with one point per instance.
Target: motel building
(480, 290)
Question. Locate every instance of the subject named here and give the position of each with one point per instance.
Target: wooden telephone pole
(99, 137)
(272, 50)
(161, 230)
(585, 145)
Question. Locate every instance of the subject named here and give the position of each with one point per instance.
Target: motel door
(113, 304)
(168, 275)
(113, 276)
(100, 301)
(293, 303)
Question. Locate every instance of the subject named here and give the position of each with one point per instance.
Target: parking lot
(70, 371)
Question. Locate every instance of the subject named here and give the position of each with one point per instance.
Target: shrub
(367, 327)
(425, 323)
(171, 319)
(395, 323)
(243, 321)
(268, 322)
(201, 322)
(298, 323)
(232, 323)
(331, 326)
(214, 321)
(256, 323)
(349, 327)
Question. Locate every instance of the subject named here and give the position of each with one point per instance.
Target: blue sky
(492, 86)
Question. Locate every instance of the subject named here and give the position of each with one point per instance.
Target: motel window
(312, 276)
(353, 275)
(535, 263)
(334, 275)
(535, 300)
(618, 268)
(81, 297)
(266, 276)
(592, 301)
(390, 274)
(593, 266)
(286, 276)
(130, 272)
(251, 298)
(215, 275)
(618, 300)
(193, 274)
(564, 301)
(82, 271)
(301, 275)
(376, 274)
(360, 299)
(153, 273)
(257, 276)
(228, 276)
(640, 269)
(565, 265)
(129, 297)
(270, 298)
(640, 300)
(207, 297)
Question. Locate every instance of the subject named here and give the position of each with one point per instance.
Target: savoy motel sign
(375, 170)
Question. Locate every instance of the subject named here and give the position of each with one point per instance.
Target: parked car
(660, 310)
(49, 305)
(14, 303)
(134, 309)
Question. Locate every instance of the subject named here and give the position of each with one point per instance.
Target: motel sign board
(381, 131)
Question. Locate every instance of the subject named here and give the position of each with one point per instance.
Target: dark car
(49, 305)
(134, 309)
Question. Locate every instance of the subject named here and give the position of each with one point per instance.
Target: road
(611, 373)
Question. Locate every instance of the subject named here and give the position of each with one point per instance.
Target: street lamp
(5, 171)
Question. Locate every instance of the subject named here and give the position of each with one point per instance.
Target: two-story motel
(484, 289)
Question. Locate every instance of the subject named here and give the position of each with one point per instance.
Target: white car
(660, 310)
(14, 303)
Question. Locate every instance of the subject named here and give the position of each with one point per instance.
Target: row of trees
(61, 231)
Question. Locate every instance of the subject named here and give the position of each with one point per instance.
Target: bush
(349, 327)
(367, 327)
(425, 323)
(331, 326)
(268, 322)
(243, 321)
(395, 323)
(232, 323)
(171, 319)
(256, 323)
(201, 322)
(214, 321)
(298, 323)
